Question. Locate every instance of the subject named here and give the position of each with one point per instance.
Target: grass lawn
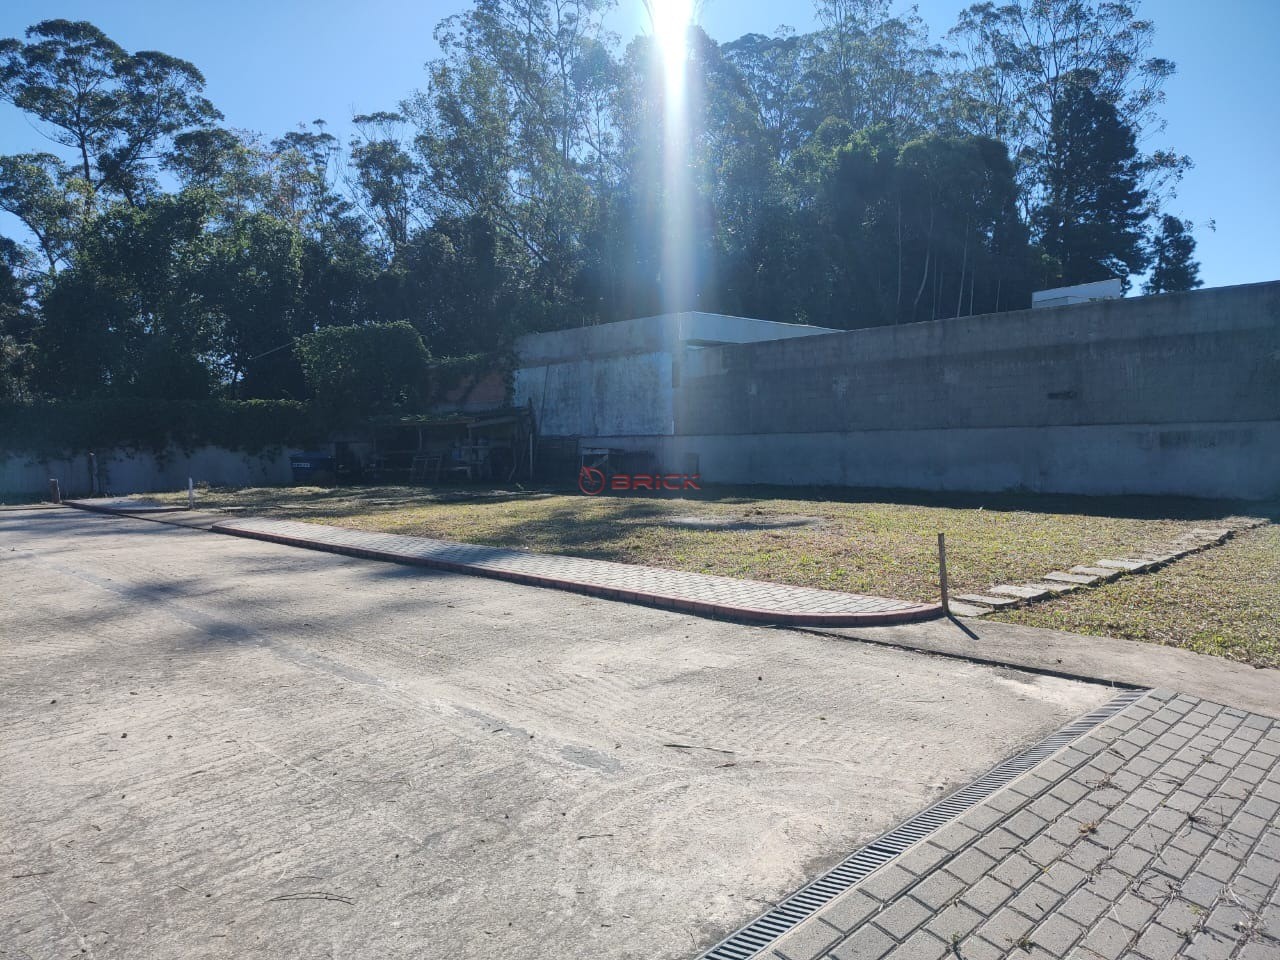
(883, 543)
(1224, 601)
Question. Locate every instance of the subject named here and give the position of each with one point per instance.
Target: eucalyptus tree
(511, 129)
(46, 196)
(868, 67)
(234, 165)
(385, 178)
(1014, 64)
(773, 72)
(115, 111)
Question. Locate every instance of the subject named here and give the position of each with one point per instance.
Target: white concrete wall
(626, 394)
(1172, 394)
(652, 335)
(126, 472)
(618, 378)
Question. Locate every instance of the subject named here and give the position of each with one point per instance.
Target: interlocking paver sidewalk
(749, 600)
(1156, 836)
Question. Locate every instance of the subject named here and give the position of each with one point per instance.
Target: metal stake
(942, 572)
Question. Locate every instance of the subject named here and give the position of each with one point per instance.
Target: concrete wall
(1224, 460)
(651, 335)
(124, 472)
(1211, 356)
(620, 378)
(629, 394)
(1176, 394)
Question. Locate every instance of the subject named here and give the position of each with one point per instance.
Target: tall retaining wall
(1173, 394)
(124, 472)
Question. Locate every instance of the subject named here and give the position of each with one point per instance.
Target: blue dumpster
(313, 467)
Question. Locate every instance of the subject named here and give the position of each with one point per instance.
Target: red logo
(592, 481)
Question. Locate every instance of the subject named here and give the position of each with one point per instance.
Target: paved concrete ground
(751, 601)
(1154, 837)
(1104, 659)
(215, 747)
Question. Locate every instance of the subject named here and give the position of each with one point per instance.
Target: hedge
(66, 428)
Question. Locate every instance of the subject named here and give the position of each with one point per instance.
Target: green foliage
(1091, 220)
(1016, 61)
(358, 371)
(858, 174)
(128, 299)
(61, 428)
(112, 108)
(1173, 264)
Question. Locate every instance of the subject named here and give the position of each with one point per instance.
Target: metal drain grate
(765, 929)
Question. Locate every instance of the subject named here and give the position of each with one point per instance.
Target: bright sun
(671, 19)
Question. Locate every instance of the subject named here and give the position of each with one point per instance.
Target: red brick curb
(897, 612)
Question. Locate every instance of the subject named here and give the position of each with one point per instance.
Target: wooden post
(55, 494)
(942, 572)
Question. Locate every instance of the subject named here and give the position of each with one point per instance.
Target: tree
(357, 371)
(1017, 61)
(1173, 265)
(512, 129)
(772, 71)
(387, 179)
(252, 285)
(1091, 219)
(126, 318)
(41, 192)
(842, 177)
(870, 68)
(113, 108)
(234, 166)
(17, 320)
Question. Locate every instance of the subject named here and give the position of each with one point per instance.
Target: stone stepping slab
(986, 600)
(1102, 571)
(1079, 579)
(752, 601)
(1055, 586)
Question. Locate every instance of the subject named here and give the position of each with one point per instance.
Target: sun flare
(671, 20)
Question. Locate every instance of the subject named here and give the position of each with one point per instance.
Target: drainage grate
(762, 931)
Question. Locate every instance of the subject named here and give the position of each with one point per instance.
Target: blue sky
(271, 65)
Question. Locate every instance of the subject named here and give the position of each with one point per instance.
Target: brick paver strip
(1155, 836)
(125, 505)
(749, 600)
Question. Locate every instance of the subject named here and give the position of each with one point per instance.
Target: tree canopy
(860, 174)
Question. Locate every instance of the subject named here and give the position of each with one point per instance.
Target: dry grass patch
(880, 545)
(1225, 601)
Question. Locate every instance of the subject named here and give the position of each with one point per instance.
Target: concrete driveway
(215, 747)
